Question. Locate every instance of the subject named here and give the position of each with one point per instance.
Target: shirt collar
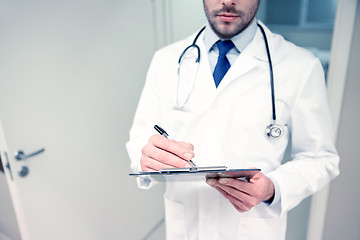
(240, 41)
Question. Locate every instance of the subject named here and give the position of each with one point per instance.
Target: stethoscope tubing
(274, 130)
(271, 73)
(193, 45)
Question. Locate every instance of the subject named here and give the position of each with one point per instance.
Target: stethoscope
(273, 130)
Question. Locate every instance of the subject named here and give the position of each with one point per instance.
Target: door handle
(20, 155)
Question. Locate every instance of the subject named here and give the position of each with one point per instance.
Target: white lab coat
(227, 127)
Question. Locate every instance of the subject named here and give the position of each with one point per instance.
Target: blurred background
(71, 73)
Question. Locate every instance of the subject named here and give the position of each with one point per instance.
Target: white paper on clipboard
(197, 173)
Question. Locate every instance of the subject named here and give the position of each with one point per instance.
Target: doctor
(228, 109)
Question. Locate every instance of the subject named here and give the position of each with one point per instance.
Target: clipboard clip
(194, 169)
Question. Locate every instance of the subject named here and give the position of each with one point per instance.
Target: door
(71, 73)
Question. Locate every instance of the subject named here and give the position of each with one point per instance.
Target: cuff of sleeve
(145, 182)
(275, 205)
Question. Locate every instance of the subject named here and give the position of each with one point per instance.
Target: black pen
(161, 131)
(164, 133)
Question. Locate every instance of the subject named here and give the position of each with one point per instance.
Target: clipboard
(197, 173)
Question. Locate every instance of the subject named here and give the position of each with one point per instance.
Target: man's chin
(226, 29)
(226, 33)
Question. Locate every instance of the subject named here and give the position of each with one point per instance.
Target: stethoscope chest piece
(274, 131)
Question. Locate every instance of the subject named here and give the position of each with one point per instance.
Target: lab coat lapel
(253, 55)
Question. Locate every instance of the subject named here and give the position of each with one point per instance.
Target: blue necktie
(222, 65)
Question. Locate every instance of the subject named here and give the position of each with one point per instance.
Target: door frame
(9, 176)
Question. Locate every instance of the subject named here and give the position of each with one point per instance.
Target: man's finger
(149, 164)
(240, 195)
(240, 185)
(234, 194)
(238, 204)
(166, 158)
(180, 149)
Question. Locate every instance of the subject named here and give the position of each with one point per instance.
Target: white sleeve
(314, 158)
(145, 118)
(275, 205)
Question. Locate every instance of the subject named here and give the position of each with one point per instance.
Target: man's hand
(245, 195)
(161, 152)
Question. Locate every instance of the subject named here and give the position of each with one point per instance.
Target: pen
(161, 131)
(164, 133)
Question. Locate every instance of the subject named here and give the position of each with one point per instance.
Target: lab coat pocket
(262, 228)
(175, 219)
